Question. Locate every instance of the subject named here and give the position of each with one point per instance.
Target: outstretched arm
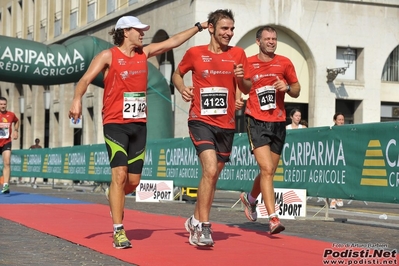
(174, 41)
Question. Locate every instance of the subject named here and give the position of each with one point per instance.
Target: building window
(91, 12)
(389, 111)
(131, 2)
(57, 24)
(43, 32)
(74, 20)
(110, 6)
(29, 35)
(391, 67)
(57, 27)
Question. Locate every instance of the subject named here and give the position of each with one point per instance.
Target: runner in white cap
(124, 112)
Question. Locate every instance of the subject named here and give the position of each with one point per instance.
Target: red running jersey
(264, 102)
(6, 121)
(214, 84)
(125, 88)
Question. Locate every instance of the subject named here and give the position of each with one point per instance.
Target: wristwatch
(288, 89)
(199, 26)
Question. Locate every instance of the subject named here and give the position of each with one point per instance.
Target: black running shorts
(262, 133)
(126, 145)
(6, 147)
(205, 137)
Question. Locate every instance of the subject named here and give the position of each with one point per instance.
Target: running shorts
(205, 137)
(261, 133)
(126, 145)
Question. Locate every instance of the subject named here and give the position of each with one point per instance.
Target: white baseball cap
(130, 22)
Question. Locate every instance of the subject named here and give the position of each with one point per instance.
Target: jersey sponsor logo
(260, 76)
(206, 58)
(205, 73)
(227, 60)
(125, 74)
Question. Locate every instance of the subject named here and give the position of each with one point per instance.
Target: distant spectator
(304, 123)
(296, 117)
(36, 146)
(339, 120)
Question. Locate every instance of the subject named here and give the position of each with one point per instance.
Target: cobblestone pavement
(357, 222)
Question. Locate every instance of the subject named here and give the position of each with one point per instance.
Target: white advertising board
(154, 191)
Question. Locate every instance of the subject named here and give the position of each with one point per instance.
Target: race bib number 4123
(214, 101)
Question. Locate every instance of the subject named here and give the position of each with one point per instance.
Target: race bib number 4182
(266, 97)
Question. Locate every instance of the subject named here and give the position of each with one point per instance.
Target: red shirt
(264, 102)
(125, 89)
(214, 84)
(6, 120)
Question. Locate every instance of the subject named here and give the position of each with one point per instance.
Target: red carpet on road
(161, 239)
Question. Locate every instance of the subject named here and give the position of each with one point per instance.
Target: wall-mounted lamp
(349, 56)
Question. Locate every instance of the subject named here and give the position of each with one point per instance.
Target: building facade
(315, 35)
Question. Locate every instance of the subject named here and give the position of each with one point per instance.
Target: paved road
(354, 223)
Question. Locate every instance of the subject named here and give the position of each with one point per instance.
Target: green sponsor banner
(34, 63)
(350, 162)
(358, 162)
(89, 162)
(30, 62)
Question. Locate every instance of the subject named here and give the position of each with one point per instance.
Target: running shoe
(333, 204)
(205, 235)
(107, 196)
(5, 190)
(275, 225)
(120, 239)
(250, 209)
(192, 230)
